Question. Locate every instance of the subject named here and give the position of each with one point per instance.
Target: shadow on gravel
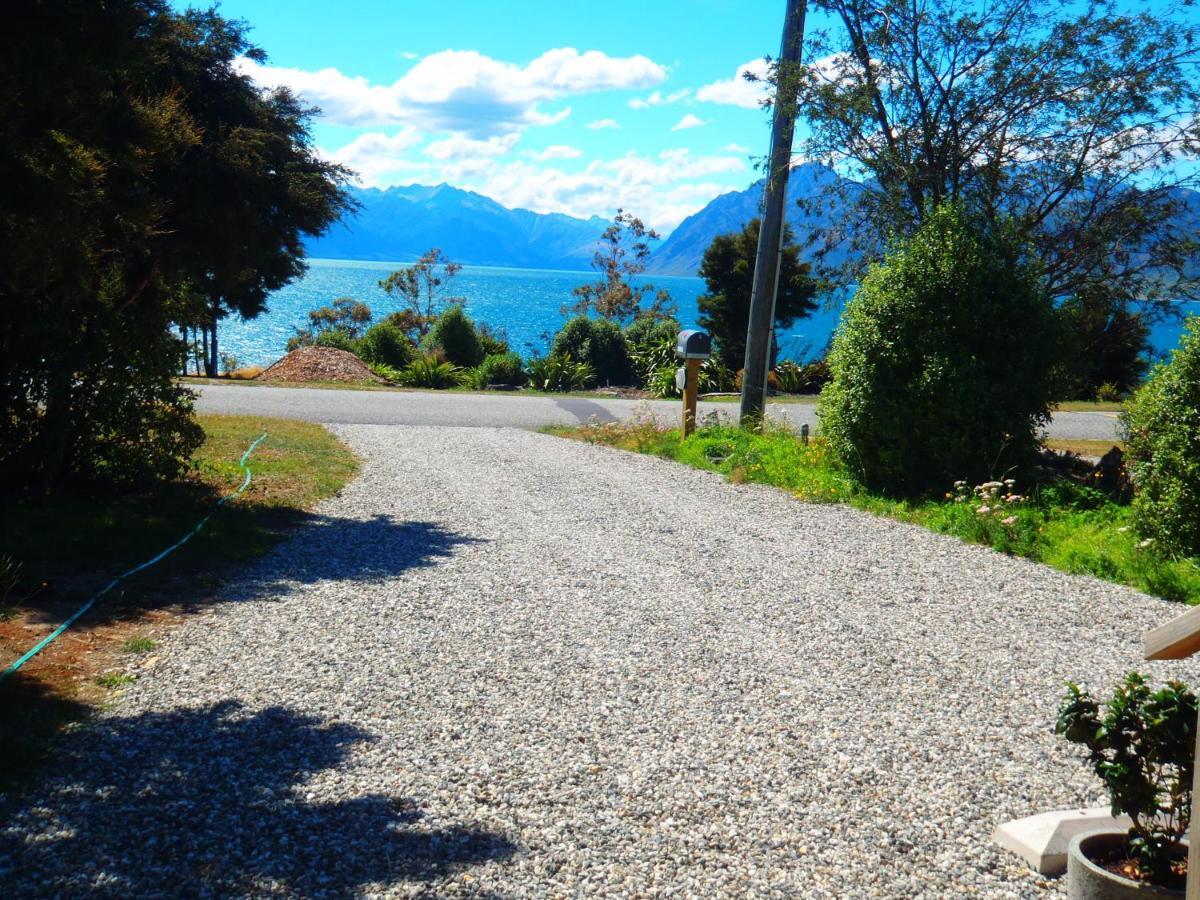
(333, 549)
(214, 800)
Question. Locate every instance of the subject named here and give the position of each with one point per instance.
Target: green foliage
(942, 363)
(656, 363)
(147, 184)
(421, 289)
(499, 368)
(623, 251)
(728, 272)
(652, 330)
(492, 341)
(387, 373)
(598, 342)
(810, 378)
(1106, 345)
(559, 373)
(1141, 746)
(138, 645)
(454, 335)
(1163, 424)
(385, 344)
(115, 679)
(430, 372)
(336, 339)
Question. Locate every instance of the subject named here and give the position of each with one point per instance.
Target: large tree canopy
(146, 183)
(1077, 121)
(728, 272)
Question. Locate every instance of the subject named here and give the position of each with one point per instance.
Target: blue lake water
(526, 303)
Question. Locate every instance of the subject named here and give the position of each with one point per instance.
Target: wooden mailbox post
(693, 347)
(1179, 639)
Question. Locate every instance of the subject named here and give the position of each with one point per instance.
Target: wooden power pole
(770, 232)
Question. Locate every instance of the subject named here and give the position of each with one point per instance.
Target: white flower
(1123, 529)
(983, 510)
(1011, 520)
(1146, 543)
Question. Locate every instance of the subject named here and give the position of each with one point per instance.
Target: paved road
(502, 664)
(516, 411)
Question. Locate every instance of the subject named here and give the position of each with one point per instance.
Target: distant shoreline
(327, 262)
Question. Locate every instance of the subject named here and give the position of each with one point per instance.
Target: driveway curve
(506, 664)
(498, 410)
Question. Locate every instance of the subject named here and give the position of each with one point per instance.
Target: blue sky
(565, 106)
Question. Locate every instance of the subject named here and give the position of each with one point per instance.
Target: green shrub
(656, 363)
(1141, 746)
(387, 373)
(1163, 425)
(943, 362)
(455, 336)
(598, 342)
(337, 339)
(492, 341)
(499, 368)
(430, 372)
(652, 330)
(385, 344)
(557, 372)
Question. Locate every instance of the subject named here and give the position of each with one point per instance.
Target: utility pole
(770, 233)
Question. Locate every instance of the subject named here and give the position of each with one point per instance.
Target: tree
(624, 249)
(346, 316)
(142, 174)
(1067, 120)
(728, 272)
(1106, 352)
(943, 365)
(421, 288)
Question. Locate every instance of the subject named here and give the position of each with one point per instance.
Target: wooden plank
(1177, 639)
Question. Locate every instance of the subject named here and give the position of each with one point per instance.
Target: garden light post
(770, 233)
(693, 347)
(1179, 639)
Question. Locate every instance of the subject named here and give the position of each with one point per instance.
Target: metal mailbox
(693, 345)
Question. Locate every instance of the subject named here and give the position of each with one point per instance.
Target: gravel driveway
(505, 664)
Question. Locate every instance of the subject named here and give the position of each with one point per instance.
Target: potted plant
(1141, 744)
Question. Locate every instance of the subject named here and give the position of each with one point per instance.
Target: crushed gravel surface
(505, 664)
(319, 364)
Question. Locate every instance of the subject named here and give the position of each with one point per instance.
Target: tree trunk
(210, 361)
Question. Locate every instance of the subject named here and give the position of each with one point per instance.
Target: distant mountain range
(400, 223)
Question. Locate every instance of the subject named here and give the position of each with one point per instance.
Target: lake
(526, 303)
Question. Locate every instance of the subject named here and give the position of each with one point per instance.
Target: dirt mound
(319, 364)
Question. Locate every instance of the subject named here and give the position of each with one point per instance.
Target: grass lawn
(1070, 526)
(72, 546)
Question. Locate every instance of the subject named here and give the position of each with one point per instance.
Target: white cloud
(556, 151)
(463, 90)
(458, 147)
(408, 54)
(688, 121)
(375, 155)
(662, 190)
(737, 91)
(603, 123)
(658, 99)
(735, 148)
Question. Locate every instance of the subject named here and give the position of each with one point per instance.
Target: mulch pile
(319, 364)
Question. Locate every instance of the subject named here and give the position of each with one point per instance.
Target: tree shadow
(584, 410)
(214, 800)
(359, 550)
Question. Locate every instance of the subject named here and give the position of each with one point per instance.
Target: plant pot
(1088, 881)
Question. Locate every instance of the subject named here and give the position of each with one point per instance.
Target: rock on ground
(502, 663)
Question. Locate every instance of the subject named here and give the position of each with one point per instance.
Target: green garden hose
(45, 642)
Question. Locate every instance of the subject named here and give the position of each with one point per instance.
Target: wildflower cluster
(993, 500)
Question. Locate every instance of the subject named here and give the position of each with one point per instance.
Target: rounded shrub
(942, 365)
(652, 330)
(385, 344)
(500, 368)
(337, 338)
(598, 342)
(1162, 423)
(455, 336)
